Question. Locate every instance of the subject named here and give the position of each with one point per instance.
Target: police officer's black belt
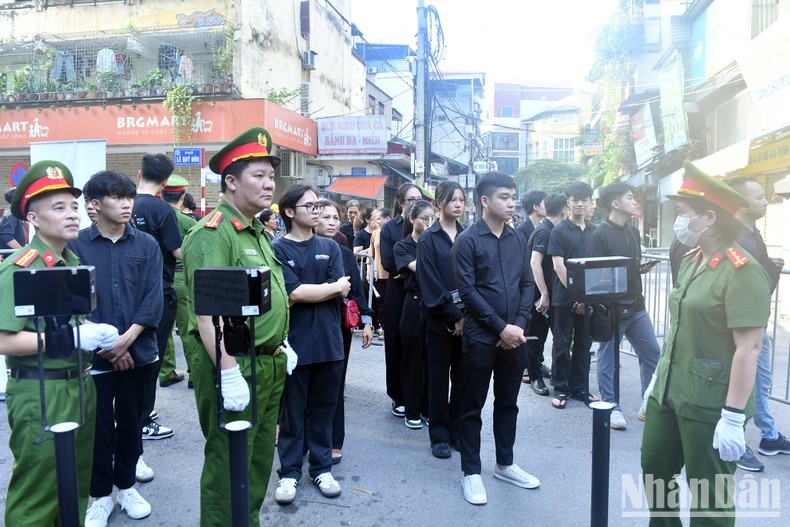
(264, 350)
(48, 375)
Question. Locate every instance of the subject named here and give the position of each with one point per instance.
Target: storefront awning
(726, 160)
(402, 173)
(367, 187)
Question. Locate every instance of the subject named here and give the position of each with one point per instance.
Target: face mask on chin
(684, 235)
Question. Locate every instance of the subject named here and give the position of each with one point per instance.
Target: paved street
(389, 477)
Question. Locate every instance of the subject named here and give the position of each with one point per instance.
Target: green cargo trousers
(32, 492)
(188, 342)
(669, 443)
(215, 510)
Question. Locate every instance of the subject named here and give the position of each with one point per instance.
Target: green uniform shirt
(185, 222)
(731, 291)
(10, 322)
(230, 241)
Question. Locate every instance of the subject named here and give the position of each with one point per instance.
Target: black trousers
(308, 409)
(478, 363)
(120, 396)
(380, 285)
(339, 422)
(393, 349)
(444, 375)
(414, 381)
(538, 327)
(162, 334)
(570, 368)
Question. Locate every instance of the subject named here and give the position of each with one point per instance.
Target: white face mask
(685, 236)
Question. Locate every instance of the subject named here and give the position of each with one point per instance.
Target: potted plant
(109, 83)
(179, 99)
(91, 90)
(152, 81)
(21, 84)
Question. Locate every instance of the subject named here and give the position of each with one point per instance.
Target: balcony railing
(117, 64)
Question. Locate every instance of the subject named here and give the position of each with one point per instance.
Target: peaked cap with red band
(41, 178)
(698, 184)
(175, 183)
(255, 143)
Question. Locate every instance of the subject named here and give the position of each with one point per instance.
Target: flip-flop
(586, 397)
(562, 399)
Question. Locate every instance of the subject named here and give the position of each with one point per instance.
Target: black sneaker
(441, 450)
(171, 379)
(154, 430)
(749, 462)
(398, 410)
(768, 447)
(154, 415)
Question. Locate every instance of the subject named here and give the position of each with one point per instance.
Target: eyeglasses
(411, 200)
(310, 207)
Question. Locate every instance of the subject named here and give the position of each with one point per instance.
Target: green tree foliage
(548, 175)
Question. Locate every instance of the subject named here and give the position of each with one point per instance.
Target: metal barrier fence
(658, 283)
(363, 260)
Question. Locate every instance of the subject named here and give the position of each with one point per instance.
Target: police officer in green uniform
(232, 236)
(47, 199)
(704, 382)
(173, 194)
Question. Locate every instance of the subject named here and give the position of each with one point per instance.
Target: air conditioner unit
(292, 165)
(372, 70)
(308, 60)
(321, 177)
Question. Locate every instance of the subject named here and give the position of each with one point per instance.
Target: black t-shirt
(753, 242)
(362, 239)
(405, 253)
(348, 231)
(314, 331)
(611, 239)
(526, 228)
(539, 241)
(152, 215)
(569, 241)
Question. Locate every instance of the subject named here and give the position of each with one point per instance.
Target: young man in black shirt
(614, 237)
(129, 297)
(495, 283)
(152, 215)
(772, 441)
(535, 209)
(556, 208)
(570, 369)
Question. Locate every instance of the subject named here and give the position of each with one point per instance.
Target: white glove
(235, 392)
(92, 336)
(728, 437)
(293, 358)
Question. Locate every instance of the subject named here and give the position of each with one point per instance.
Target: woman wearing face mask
(328, 224)
(412, 325)
(703, 389)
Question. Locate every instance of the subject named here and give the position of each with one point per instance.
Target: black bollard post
(66, 473)
(599, 503)
(239, 475)
(617, 339)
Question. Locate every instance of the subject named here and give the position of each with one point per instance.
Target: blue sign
(188, 157)
(17, 171)
(359, 171)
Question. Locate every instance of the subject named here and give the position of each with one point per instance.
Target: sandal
(586, 397)
(559, 401)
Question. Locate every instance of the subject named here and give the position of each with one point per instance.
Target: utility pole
(422, 165)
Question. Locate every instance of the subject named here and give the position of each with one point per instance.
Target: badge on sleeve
(48, 259)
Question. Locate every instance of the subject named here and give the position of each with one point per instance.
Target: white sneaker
(143, 473)
(286, 492)
(474, 490)
(617, 420)
(99, 512)
(135, 505)
(327, 485)
(518, 477)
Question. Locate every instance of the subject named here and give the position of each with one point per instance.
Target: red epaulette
(26, 258)
(736, 257)
(214, 221)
